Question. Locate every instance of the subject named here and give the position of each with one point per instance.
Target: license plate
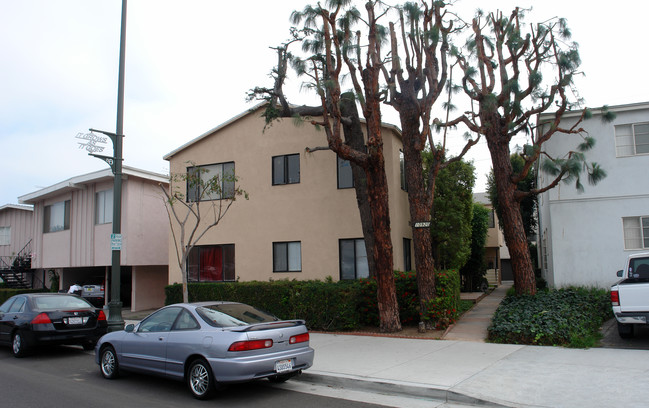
(283, 366)
(88, 289)
(76, 320)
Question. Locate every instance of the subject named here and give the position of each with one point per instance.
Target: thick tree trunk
(511, 218)
(420, 207)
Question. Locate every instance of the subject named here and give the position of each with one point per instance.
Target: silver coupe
(207, 345)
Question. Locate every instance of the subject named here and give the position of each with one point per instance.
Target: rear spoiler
(267, 326)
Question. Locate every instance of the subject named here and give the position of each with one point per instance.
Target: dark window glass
(407, 257)
(287, 256)
(286, 169)
(210, 182)
(211, 263)
(353, 259)
(345, 177)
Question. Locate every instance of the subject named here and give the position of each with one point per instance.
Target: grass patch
(565, 317)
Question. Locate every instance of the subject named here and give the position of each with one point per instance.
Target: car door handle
(161, 338)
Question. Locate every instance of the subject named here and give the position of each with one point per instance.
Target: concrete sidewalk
(482, 373)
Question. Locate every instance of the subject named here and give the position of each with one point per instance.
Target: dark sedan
(207, 345)
(34, 319)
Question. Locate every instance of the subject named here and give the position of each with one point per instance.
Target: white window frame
(104, 207)
(626, 139)
(636, 232)
(5, 235)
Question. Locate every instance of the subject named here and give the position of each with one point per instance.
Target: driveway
(612, 340)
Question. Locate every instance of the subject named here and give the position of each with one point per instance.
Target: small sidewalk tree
(207, 200)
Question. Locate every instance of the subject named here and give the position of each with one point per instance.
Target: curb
(387, 387)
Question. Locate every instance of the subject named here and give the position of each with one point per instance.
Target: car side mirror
(129, 328)
(620, 273)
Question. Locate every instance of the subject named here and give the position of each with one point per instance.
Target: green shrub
(331, 306)
(567, 317)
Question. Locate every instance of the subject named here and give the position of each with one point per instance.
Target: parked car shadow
(611, 338)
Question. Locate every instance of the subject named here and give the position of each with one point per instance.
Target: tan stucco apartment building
(301, 220)
(72, 225)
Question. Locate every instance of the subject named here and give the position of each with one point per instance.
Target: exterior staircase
(13, 269)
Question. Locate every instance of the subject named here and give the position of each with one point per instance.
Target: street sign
(115, 242)
(422, 224)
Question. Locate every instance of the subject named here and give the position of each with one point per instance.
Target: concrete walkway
(474, 323)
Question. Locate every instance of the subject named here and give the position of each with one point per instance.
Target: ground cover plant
(566, 317)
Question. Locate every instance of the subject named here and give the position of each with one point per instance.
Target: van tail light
(101, 316)
(250, 345)
(615, 298)
(42, 318)
(300, 338)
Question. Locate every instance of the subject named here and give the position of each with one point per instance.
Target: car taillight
(42, 318)
(300, 338)
(251, 345)
(101, 316)
(615, 298)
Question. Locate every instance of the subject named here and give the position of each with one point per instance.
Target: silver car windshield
(233, 314)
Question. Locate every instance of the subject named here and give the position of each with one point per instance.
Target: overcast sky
(189, 64)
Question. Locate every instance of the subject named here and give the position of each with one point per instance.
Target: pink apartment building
(72, 224)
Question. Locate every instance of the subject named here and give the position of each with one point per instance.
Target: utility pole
(115, 320)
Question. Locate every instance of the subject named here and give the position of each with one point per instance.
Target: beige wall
(314, 211)
(21, 223)
(148, 287)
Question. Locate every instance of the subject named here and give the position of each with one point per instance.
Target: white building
(584, 237)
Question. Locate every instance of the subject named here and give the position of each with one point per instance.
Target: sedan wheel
(18, 346)
(108, 363)
(200, 380)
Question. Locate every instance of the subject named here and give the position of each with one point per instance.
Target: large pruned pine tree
(511, 74)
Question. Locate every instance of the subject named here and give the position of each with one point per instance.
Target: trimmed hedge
(329, 306)
(7, 293)
(565, 317)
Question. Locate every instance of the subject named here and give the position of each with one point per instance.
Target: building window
(57, 217)
(211, 263)
(636, 232)
(287, 256)
(104, 207)
(631, 140)
(345, 176)
(286, 169)
(353, 259)
(492, 218)
(212, 182)
(407, 254)
(402, 171)
(5, 235)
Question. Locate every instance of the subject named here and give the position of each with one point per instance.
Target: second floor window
(286, 169)
(631, 140)
(104, 207)
(57, 217)
(345, 177)
(210, 182)
(5, 235)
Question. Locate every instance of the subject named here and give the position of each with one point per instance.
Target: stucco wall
(148, 287)
(581, 232)
(314, 211)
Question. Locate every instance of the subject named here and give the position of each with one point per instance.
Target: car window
(6, 305)
(18, 306)
(58, 302)
(186, 321)
(160, 321)
(233, 314)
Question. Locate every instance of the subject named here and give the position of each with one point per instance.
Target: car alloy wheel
(199, 379)
(108, 363)
(18, 346)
